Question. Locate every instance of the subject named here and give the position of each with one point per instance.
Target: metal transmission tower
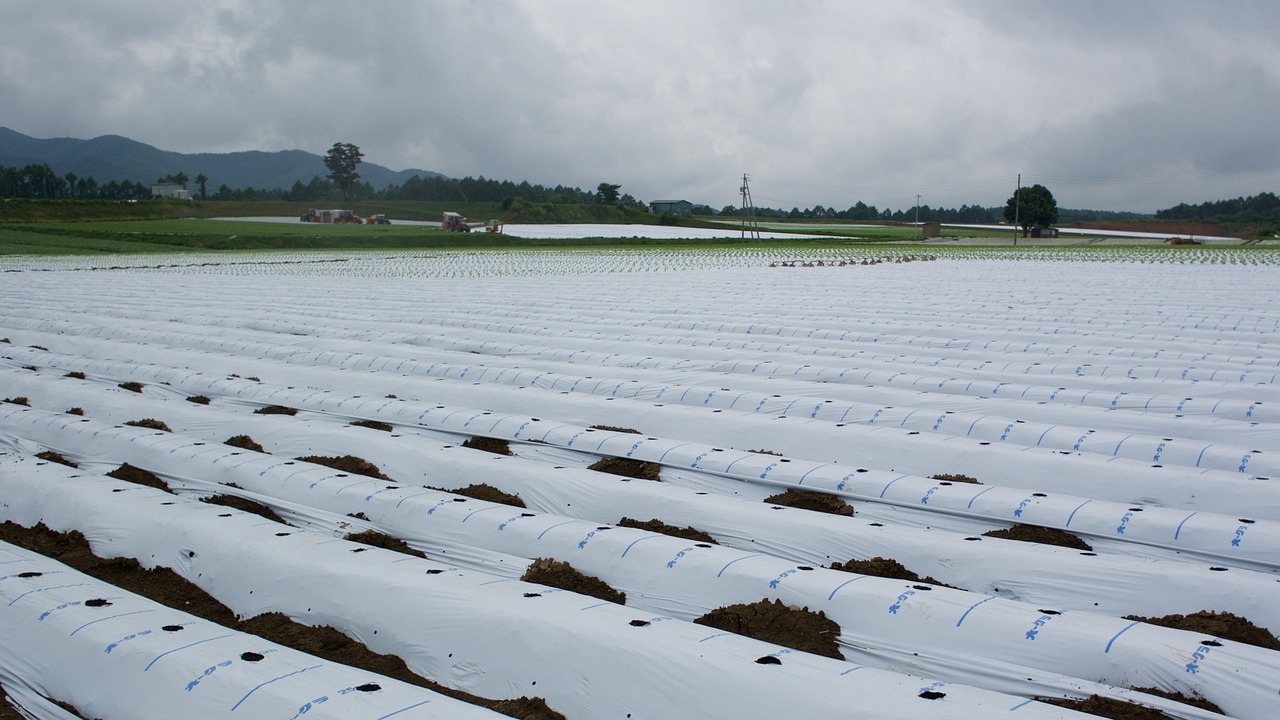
(749, 211)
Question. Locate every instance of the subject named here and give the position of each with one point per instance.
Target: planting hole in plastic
(31, 574)
(1211, 643)
(434, 571)
(530, 595)
(251, 656)
(369, 687)
(639, 623)
(932, 695)
(768, 660)
(1215, 568)
(97, 602)
(171, 628)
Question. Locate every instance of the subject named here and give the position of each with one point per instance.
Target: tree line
(1260, 208)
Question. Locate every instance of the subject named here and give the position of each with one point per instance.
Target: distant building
(1041, 231)
(675, 207)
(170, 190)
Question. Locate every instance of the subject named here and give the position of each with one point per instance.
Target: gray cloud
(1134, 105)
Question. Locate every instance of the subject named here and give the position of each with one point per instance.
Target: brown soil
(489, 445)
(75, 411)
(347, 463)
(20, 400)
(199, 399)
(773, 622)
(1042, 535)
(805, 500)
(75, 374)
(132, 386)
(275, 410)
(245, 504)
(137, 475)
(627, 467)
(374, 538)
(244, 442)
(614, 428)
(554, 573)
(1225, 625)
(1169, 227)
(373, 425)
(1108, 708)
(656, 525)
(151, 423)
(1194, 701)
(488, 493)
(168, 588)
(51, 456)
(7, 712)
(885, 568)
(956, 478)
(765, 452)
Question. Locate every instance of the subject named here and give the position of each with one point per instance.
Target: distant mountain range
(112, 157)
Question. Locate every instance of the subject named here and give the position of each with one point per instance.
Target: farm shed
(677, 207)
(170, 190)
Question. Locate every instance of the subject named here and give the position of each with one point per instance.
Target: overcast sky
(1111, 104)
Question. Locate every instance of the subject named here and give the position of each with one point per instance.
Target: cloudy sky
(1111, 104)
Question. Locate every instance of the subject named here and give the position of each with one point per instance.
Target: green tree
(342, 160)
(1032, 206)
(607, 193)
(203, 181)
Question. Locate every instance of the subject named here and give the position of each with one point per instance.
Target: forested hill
(1262, 209)
(112, 157)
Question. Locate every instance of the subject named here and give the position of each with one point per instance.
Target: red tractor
(453, 222)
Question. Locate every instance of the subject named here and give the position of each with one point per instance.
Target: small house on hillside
(170, 190)
(675, 207)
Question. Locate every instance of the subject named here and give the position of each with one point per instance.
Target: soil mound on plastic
(275, 410)
(486, 492)
(20, 400)
(131, 386)
(762, 451)
(956, 478)
(489, 445)
(628, 467)
(886, 568)
(373, 538)
(199, 399)
(656, 525)
(251, 506)
(1042, 535)
(1225, 625)
(773, 622)
(75, 411)
(555, 573)
(55, 457)
(614, 428)
(244, 442)
(150, 423)
(168, 588)
(138, 476)
(75, 374)
(1194, 700)
(347, 463)
(805, 500)
(1108, 708)
(373, 425)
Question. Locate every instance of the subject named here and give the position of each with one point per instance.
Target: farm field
(1003, 477)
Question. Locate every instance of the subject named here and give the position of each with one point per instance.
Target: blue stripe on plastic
(971, 609)
(673, 447)
(404, 709)
(841, 585)
(802, 477)
(112, 617)
(262, 685)
(1117, 450)
(975, 422)
(156, 659)
(1201, 456)
(1046, 432)
(1073, 512)
(1184, 522)
(624, 552)
(891, 482)
(726, 567)
(855, 669)
(1125, 630)
(975, 497)
(1021, 705)
(553, 527)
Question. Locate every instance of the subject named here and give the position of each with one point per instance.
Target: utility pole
(748, 208)
(1017, 203)
(915, 233)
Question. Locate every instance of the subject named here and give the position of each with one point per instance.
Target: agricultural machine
(453, 222)
(340, 217)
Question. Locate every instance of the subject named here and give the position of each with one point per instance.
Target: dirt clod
(885, 568)
(55, 457)
(275, 410)
(1194, 700)
(131, 386)
(75, 411)
(138, 476)
(245, 443)
(656, 525)
(245, 504)
(373, 425)
(198, 399)
(150, 423)
(20, 400)
(806, 500)
(347, 463)
(774, 622)
(490, 445)
(1225, 625)
(488, 493)
(1042, 535)
(614, 428)
(373, 538)
(75, 374)
(628, 467)
(1108, 708)
(956, 478)
(556, 573)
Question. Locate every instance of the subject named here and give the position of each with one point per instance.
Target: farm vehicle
(453, 222)
(340, 217)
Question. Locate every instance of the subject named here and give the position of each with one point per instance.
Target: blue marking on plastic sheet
(726, 567)
(713, 637)
(633, 544)
(673, 447)
(971, 609)
(109, 617)
(853, 669)
(891, 482)
(975, 497)
(1178, 532)
(1073, 512)
(594, 606)
(839, 587)
(815, 469)
(408, 708)
(1117, 635)
(908, 417)
(1117, 450)
(268, 682)
(1046, 432)
(1021, 705)
(974, 424)
(184, 647)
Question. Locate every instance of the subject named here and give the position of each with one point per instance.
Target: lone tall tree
(1031, 206)
(607, 193)
(342, 160)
